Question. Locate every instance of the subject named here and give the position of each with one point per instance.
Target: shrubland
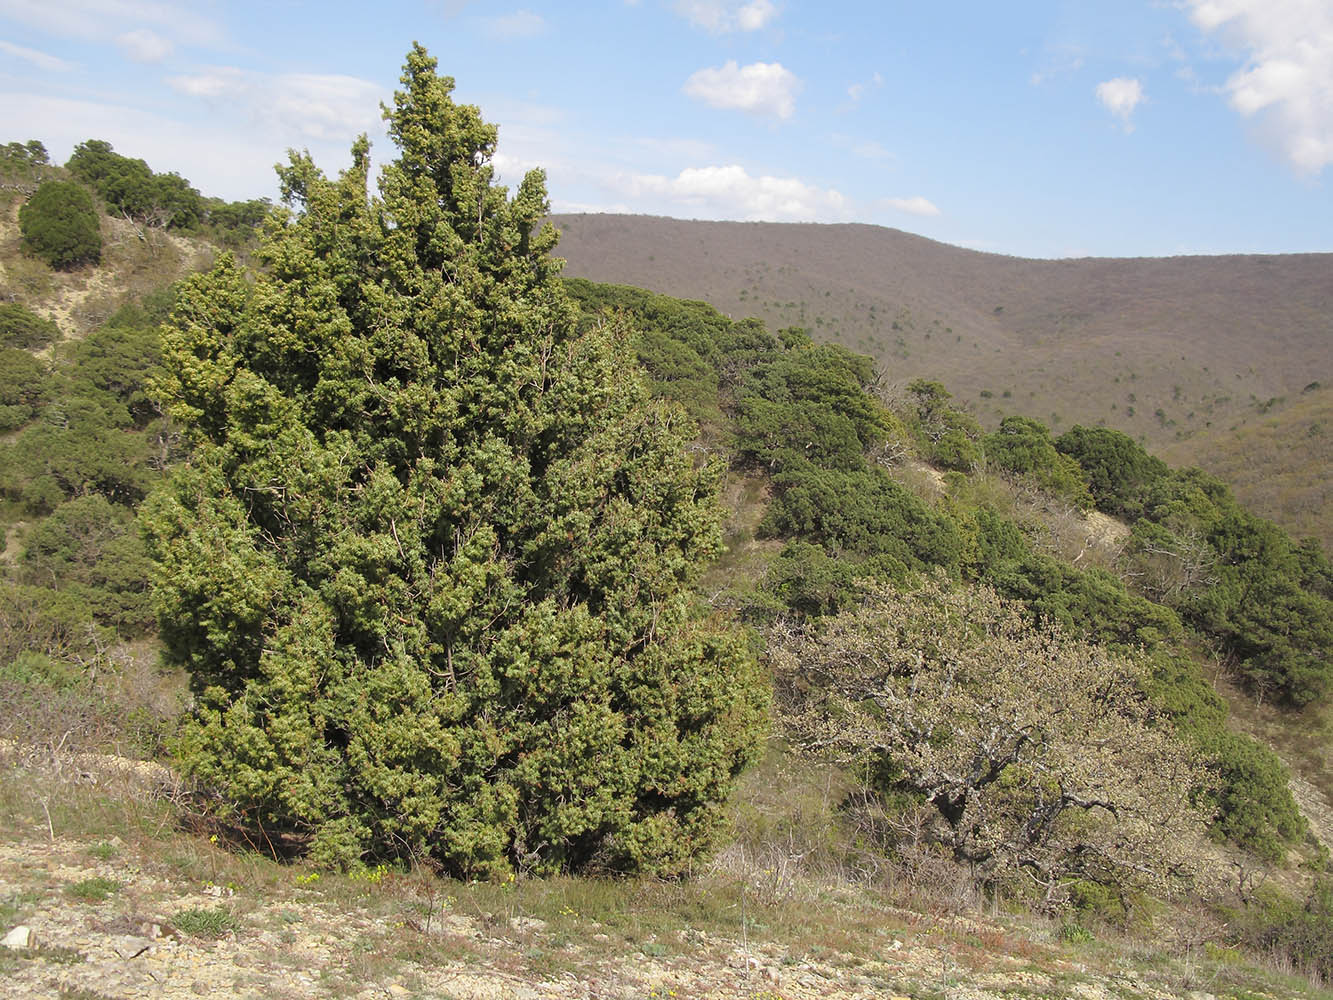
(433, 561)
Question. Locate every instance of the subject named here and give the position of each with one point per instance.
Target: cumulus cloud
(1286, 82)
(1120, 97)
(913, 206)
(41, 60)
(311, 105)
(731, 192)
(760, 88)
(145, 46)
(519, 24)
(717, 17)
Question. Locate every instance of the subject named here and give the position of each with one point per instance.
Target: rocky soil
(168, 915)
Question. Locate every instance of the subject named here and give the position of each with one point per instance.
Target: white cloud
(858, 90)
(1120, 97)
(519, 24)
(145, 46)
(41, 60)
(913, 206)
(717, 17)
(872, 150)
(1057, 61)
(310, 105)
(730, 192)
(1286, 83)
(760, 88)
(99, 20)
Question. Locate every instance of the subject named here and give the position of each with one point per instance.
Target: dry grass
(736, 930)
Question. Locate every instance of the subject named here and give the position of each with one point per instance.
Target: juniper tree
(429, 563)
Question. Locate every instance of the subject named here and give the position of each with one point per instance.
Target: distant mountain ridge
(1201, 357)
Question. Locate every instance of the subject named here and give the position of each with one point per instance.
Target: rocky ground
(102, 895)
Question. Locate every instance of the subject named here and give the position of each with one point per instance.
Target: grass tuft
(93, 890)
(206, 923)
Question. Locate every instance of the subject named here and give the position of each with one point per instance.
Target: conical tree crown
(429, 563)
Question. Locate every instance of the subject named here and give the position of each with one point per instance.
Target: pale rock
(398, 990)
(20, 938)
(131, 947)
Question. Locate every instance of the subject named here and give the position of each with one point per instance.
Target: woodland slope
(1223, 361)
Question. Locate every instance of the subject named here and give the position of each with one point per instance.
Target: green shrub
(1299, 931)
(21, 327)
(23, 387)
(60, 225)
(429, 564)
(92, 548)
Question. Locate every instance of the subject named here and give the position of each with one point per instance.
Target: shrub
(21, 327)
(23, 387)
(429, 563)
(60, 225)
(1299, 931)
(1041, 755)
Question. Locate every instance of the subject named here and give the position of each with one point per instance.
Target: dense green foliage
(16, 155)
(23, 387)
(23, 163)
(1024, 446)
(21, 327)
(1297, 931)
(1117, 467)
(94, 429)
(91, 549)
(1237, 578)
(948, 437)
(89, 447)
(60, 225)
(130, 188)
(429, 563)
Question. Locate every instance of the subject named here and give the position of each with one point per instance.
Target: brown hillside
(1203, 358)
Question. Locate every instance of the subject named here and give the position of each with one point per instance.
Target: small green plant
(1074, 933)
(93, 890)
(103, 851)
(206, 923)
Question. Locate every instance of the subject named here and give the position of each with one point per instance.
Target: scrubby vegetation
(438, 567)
(60, 225)
(131, 189)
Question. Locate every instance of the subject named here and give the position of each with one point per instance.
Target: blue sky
(1104, 127)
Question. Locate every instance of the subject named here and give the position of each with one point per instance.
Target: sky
(1050, 128)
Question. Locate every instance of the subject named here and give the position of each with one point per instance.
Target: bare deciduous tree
(1040, 753)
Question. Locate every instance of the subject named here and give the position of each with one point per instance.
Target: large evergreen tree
(429, 563)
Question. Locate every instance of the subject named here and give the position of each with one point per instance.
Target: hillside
(209, 477)
(1199, 357)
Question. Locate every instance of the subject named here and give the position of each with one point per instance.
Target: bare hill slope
(1201, 357)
